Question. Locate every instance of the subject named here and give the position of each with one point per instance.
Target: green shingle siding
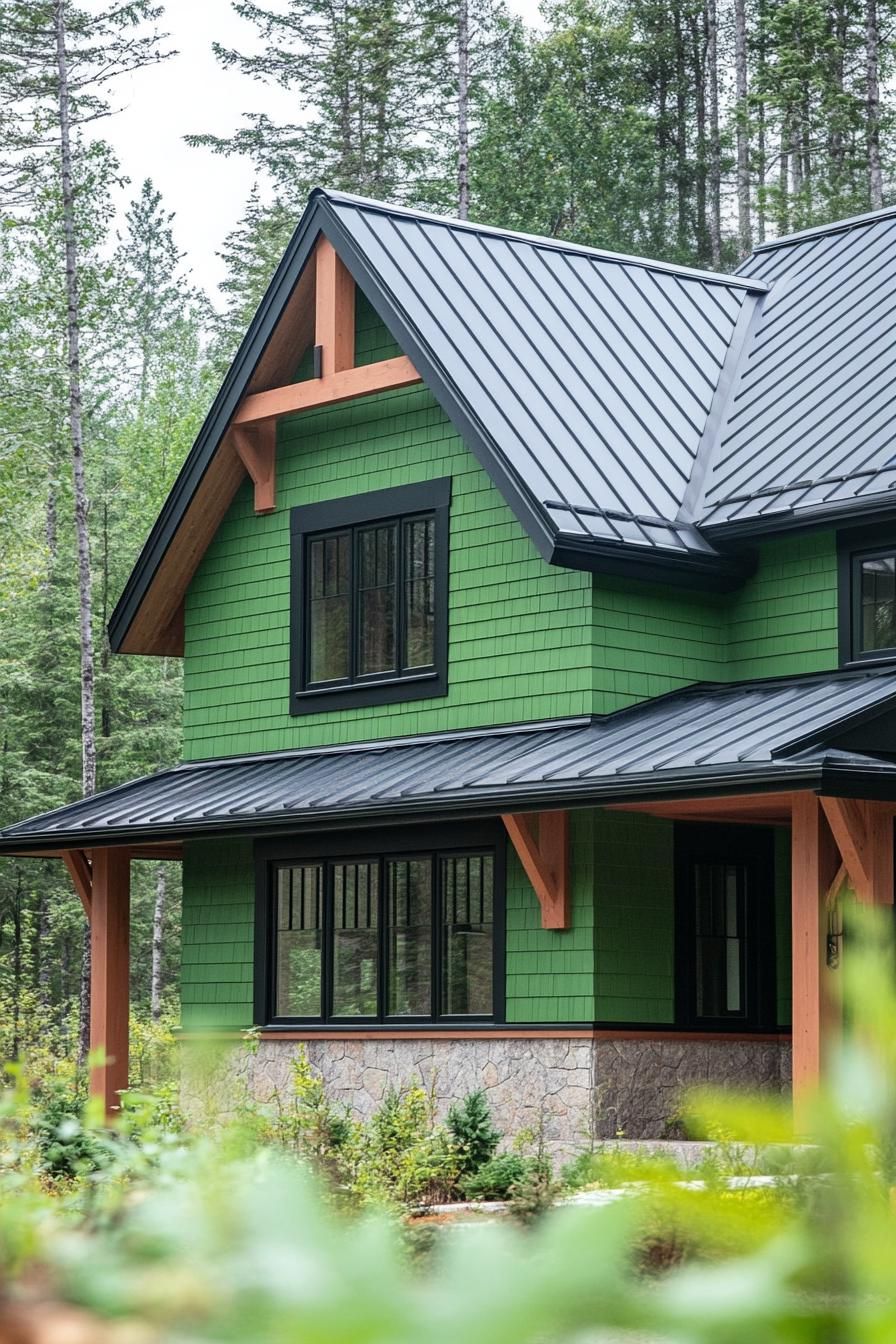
(550, 974)
(650, 640)
(511, 616)
(218, 938)
(784, 620)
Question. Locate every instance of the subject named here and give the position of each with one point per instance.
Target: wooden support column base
(110, 975)
(545, 859)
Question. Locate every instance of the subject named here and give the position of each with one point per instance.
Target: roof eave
(788, 519)
(765, 777)
(710, 570)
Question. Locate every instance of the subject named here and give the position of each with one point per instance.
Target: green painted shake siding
(218, 934)
(511, 616)
(784, 619)
(647, 640)
(550, 974)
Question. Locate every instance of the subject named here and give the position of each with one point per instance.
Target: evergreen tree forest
(688, 130)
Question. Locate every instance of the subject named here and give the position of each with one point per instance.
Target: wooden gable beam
(545, 860)
(334, 310)
(384, 376)
(256, 447)
(81, 872)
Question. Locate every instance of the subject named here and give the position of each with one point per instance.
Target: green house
(538, 615)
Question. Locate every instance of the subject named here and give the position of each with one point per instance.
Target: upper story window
(405, 933)
(370, 595)
(868, 595)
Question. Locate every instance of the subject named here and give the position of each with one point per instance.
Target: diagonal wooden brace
(81, 872)
(545, 859)
(257, 450)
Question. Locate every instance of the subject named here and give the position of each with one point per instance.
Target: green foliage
(210, 1236)
(496, 1178)
(476, 1138)
(401, 1156)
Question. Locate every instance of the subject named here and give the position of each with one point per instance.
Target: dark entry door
(725, 927)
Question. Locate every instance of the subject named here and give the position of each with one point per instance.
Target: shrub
(66, 1147)
(401, 1156)
(474, 1134)
(497, 1177)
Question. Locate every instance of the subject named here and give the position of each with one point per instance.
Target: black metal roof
(637, 416)
(807, 432)
(821, 732)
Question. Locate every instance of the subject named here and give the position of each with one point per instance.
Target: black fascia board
(875, 508)
(712, 571)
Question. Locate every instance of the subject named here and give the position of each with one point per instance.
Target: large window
(369, 605)
(725, 927)
(405, 934)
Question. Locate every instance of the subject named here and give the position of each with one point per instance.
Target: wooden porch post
(815, 864)
(110, 973)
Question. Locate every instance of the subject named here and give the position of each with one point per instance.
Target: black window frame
(381, 846)
(308, 522)
(854, 547)
(717, 843)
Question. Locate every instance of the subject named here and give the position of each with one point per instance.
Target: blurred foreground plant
(205, 1239)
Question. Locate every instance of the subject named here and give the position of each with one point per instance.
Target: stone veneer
(574, 1089)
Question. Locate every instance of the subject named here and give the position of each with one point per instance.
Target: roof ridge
(540, 240)
(820, 230)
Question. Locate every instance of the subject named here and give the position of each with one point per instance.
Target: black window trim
(854, 546)
(716, 842)
(396, 503)
(474, 837)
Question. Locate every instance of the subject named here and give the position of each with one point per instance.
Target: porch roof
(834, 733)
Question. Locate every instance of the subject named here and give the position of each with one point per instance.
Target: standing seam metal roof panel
(532, 334)
(761, 735)
(810, 421)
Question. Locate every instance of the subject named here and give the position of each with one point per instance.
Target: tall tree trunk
(73, 334)
(872, 105)
(681, 135)
(16, 964)
(463, 109)
(761, 133)
(44, 928)
(742, 129)
(158, 924)
(715, 143)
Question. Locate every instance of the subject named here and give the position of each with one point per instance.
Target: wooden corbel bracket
(257, 450)
(81, 873)
(543, 850)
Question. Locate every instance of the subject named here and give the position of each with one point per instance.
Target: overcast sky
(192, 93)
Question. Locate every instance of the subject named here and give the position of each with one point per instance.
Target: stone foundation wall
(574, 1089)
